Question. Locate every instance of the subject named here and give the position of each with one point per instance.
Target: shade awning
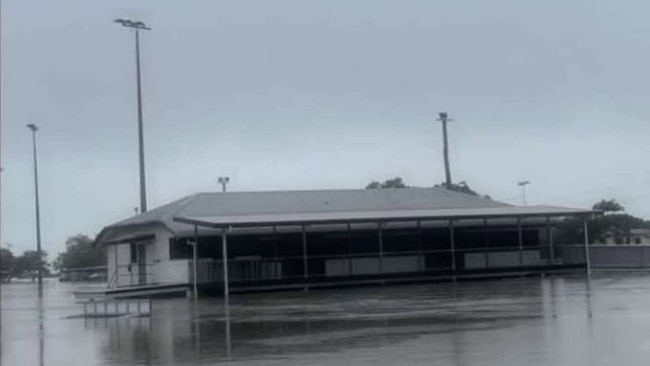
(378, 216)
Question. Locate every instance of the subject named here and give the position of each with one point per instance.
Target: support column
(194, 261)
(275, 243)
(226, 319)
(551, 244)
(305, 262)
(117, 267)
(452, 242)
(520, 236)
(486, 243)
(587, 259)
(348, 250)
(224, 255)
(381, 248)
(420, 247)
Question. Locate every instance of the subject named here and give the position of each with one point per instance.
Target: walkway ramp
(147, 291)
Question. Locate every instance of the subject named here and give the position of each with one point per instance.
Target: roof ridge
(185, 201)
(326, 190)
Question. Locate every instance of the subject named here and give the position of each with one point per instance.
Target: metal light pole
(224, 181)
(32, 127)
(444, 119)
(138, 26)
(523, 185)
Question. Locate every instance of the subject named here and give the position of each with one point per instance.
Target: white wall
(110, 261)
(160, 269)
(120, 254)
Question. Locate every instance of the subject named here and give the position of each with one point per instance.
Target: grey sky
(320, 94)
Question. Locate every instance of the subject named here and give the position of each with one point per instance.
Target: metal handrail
(108, 308)
(211, 269)
(494, 249)
(133, 274)
(113, 280)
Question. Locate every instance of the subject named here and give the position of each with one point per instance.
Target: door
(142, 264)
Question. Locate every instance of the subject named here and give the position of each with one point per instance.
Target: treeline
(25, 265)
(610, 223)
(398, 182)
(79, 253)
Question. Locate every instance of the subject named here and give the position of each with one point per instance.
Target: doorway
(142, 264)
(139, 259)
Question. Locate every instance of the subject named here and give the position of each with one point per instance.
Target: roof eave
(226, 225)
(99, 239)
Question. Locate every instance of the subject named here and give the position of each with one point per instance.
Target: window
(134, 253)
(401, 240)
(179, 249)
(637, 240)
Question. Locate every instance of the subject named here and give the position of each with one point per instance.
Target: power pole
(444, 118)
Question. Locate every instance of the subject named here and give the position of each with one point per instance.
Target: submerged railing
(419, 262)
(112, 308)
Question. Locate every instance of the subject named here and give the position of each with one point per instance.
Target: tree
(7, 262)
(461, 187)
(373, 185)
(80, 252)
(6, 259)
(396, 182)
(29, 263)
(610, 225)
(608, 206)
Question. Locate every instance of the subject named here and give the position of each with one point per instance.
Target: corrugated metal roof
(255, 208)
(300, 202)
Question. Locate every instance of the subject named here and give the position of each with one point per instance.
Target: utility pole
(224, 182)
(138, 26)
(32, 127)
(444, 118)
(523, 185)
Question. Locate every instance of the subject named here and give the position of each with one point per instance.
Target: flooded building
(298, 239)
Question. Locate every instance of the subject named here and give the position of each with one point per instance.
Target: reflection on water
(41, 325)
(552, 321)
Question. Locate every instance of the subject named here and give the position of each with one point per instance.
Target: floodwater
(534, 321)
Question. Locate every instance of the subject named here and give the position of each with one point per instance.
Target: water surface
(540, 321)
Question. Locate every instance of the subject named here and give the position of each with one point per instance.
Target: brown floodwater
(532, 321)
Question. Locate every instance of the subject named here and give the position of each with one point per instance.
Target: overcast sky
(319, 94)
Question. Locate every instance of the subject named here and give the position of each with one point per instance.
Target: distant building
(637, 236)
(296, 239)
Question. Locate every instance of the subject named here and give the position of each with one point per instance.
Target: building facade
(635, 236)
(273, 240)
